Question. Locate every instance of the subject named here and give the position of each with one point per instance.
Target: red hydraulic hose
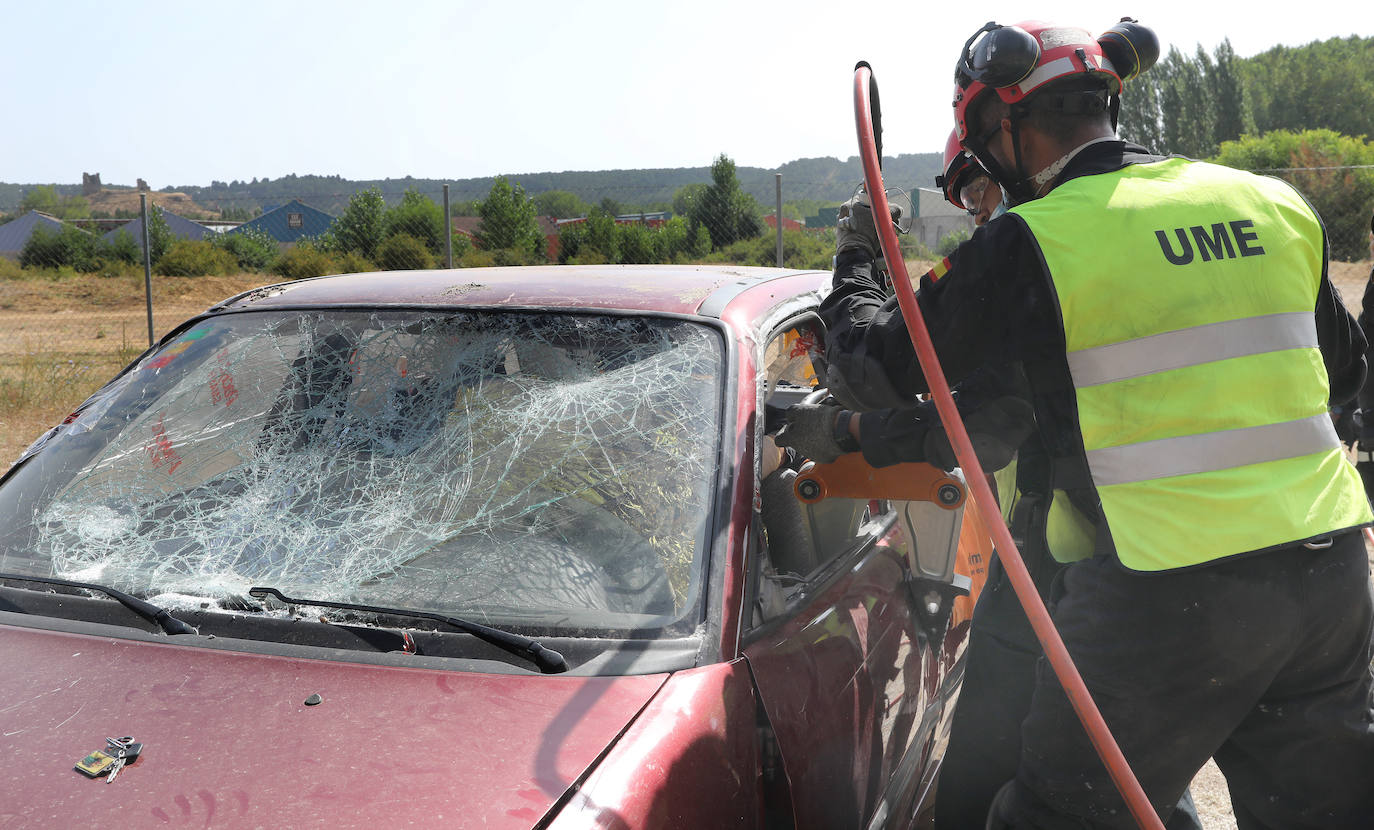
(1055, 652)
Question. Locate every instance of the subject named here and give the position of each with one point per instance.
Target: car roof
(679, 289)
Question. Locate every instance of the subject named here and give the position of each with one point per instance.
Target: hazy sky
(183, 93)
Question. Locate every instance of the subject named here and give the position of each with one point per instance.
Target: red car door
(848, 652)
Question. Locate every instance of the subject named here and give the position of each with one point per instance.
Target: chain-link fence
(86, 283)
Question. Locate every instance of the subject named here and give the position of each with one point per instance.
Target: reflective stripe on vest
(1193, 346)
(1187, 293)
(1210, 451)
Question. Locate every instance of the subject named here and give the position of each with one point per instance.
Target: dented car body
(506, 547)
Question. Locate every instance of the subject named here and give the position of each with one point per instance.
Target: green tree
(42, 198)
(418, 216)
(601, 235)
(687, 196)
(560, 204)
(572, 243)
(509, 221)
(1186, 106)
(1335, 172)
(159, 235)
(727, 213)
(1140, 120)
(359, 227)
(1323, 85)
(1228, 96)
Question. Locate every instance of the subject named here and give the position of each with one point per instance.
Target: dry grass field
(60, 339)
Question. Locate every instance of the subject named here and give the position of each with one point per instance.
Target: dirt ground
(101, 323)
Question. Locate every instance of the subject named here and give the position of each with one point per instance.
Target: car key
(125, 751)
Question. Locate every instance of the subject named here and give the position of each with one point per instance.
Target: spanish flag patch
(941, 268)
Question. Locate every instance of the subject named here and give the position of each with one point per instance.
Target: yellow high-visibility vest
(1186, 292)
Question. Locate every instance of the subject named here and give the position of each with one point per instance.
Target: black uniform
(1365, 447)
(1259, 661)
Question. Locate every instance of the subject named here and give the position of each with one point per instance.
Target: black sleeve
(893, 436)
(985, 303)
(1366, 319)
(1342, 343)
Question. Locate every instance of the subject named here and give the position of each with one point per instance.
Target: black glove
(810, 430)
(1347, 421)
(996, 429)
(855, 229)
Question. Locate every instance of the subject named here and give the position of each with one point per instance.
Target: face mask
(1000, 209)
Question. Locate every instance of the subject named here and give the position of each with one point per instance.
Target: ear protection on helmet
(998, 56)
(1131, 47)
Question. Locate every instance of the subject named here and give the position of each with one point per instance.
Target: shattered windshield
(553, 469)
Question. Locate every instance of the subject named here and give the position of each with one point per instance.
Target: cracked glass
(538, 468)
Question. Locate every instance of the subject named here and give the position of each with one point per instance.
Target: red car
(506, 548)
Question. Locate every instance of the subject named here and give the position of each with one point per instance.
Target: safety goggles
(971, 194)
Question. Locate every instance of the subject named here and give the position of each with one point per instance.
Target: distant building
(290, 223)
(771, 220)
(179, 226)
(14, 234)
(936, 218)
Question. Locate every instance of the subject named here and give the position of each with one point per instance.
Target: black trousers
(999, 677)
(1262, 663)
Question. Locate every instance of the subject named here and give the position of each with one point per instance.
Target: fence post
(147, 263)
(778, 216)
(448, 232)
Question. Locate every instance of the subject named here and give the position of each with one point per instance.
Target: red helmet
(1019, 61)
(959, 165)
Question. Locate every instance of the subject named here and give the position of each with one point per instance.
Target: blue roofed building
(15, 233)
(290, 223)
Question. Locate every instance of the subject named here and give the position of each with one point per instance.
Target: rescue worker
(1182, 344)
(984, 744)
(1364, 448)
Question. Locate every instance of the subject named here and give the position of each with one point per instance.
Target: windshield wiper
(548, 660)
(143, 608)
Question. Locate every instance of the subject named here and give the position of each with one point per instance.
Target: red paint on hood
(228, 741)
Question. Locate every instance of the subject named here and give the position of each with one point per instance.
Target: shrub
(195, 258)
(251, 248)
(800, 249)
(515, 256)
(305, 260)
(403, 252)
(476, 258)
(950, 241)
(121, 248)
(70, 246)
(354, 263)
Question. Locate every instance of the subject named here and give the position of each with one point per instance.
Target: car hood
(230, 742)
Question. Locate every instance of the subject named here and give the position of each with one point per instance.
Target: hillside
(821, 179)
(109, 201)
